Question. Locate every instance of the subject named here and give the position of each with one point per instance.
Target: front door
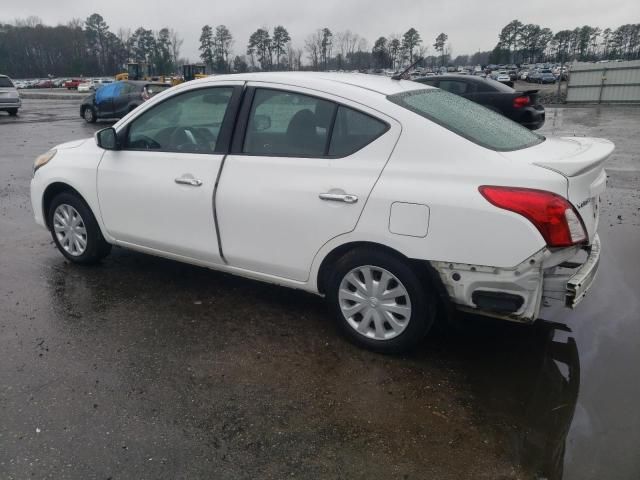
(157, 190)
(300, 175)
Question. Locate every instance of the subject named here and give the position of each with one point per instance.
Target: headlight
(43, 159)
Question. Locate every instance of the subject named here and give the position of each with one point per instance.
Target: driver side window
(187, 123)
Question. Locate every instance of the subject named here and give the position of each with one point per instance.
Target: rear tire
(75, 230)
(376, 287)
(12, 112)
(89, 115)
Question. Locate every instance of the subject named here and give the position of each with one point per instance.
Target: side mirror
(262, 122)
(107, 138)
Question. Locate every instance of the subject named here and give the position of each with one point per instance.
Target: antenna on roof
(401, 76)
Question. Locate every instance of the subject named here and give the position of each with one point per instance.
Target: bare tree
(313, 46)
(176, 45)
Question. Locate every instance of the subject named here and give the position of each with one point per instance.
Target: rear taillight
(520, 102)
(553, 216)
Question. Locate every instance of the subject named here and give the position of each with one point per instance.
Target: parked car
(72, 84)
(96, 83)
(501, 76)
(393, 199)
(533, 76)
(524, 74)
(116, 99)
(9, 98)
(521, 107)
(85, 86)
(545, 76)
(45, 84)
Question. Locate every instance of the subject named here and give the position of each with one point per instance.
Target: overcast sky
(472, 25)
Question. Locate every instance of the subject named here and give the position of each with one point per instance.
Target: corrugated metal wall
(613, 82)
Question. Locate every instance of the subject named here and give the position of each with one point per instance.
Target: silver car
(9, 99)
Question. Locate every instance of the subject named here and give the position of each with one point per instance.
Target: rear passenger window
(288, 123)
(453, 86)
(352, 131)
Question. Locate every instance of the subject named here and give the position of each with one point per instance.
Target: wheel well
(423, 268)
(49, 194)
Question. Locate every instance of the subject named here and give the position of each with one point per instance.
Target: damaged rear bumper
(569, 282)
(547, 277)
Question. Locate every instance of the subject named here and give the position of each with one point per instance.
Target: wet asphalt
(149, 369)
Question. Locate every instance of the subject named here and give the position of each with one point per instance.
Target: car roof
(464, 78)
(327, 81)
(495, 86)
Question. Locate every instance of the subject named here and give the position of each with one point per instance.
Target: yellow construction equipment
(193, 71)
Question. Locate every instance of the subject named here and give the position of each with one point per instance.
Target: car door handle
(194, 182)
(339, 197)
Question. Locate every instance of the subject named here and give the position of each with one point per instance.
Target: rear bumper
(517, 294)
(10, 103)
(569, 282)
(531, 117)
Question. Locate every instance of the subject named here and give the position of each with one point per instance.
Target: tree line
(520, 43)
(28, 48)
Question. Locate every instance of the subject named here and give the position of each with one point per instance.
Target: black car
(521, 107)
(115, 100)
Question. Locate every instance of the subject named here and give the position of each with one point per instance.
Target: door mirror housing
(107, 138)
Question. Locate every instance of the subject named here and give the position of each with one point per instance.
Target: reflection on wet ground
(146, 368)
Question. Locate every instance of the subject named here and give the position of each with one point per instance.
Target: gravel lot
(146, 368)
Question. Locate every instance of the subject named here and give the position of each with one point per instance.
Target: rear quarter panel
(435, 167)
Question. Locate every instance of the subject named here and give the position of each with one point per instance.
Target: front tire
(89, 115)
(379, 302)
(13, 112)
(75, 230)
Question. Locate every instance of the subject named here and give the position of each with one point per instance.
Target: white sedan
(85, 87)
(392, 199)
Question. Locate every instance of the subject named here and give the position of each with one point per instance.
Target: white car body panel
(282, 206)
(274, 227)
(168, 217)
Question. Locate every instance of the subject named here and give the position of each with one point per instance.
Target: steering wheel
(146, 143)
(188, 139)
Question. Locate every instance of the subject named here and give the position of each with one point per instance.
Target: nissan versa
(390, 198)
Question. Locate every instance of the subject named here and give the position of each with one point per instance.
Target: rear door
(123, 99)
(300, 172)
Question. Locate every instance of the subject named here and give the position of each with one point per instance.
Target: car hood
(72, 144)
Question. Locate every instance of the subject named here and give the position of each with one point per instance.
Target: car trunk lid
(581, 161)
(532, 94)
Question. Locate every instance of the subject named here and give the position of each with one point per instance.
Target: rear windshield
(5, 82)
(468, 119)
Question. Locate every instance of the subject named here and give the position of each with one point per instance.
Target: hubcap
(70, 230)
(88, 114)
(374, 302)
